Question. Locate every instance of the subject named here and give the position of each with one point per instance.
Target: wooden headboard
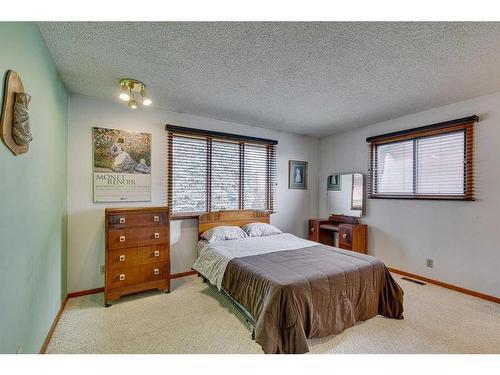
(230, 217)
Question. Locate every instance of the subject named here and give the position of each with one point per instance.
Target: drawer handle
(122, 220)
(122, 238)
(312, 229)
(157, 253)
(344, 235)
(156, 218)
(122, 258)
(156, 271)
(122, 276)
(157, 235)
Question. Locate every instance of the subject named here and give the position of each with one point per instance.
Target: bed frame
(237, 218)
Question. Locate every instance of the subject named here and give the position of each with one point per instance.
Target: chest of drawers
(137, 251)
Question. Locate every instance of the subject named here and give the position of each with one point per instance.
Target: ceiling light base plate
(133, 84)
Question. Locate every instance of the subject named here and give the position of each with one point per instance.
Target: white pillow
(260, 229)
(223, 233)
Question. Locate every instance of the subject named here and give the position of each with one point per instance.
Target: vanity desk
(345, 199)
(340, 231)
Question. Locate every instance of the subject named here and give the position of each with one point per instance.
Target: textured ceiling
(307, 78)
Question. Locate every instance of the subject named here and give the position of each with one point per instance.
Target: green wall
(33, 197)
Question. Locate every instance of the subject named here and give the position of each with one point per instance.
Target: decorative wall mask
(21, 129)
(15, 124)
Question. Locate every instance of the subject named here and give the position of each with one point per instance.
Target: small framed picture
(335, 182)
(297, 174)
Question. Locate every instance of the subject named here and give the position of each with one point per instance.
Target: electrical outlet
(430, 263)
(101, 268)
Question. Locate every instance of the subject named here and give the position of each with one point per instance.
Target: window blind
(432, 162)
(210, 171)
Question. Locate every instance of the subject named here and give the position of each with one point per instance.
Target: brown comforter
(317, 291)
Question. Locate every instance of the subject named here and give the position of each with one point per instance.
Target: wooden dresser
(137, 251)
(351, 234)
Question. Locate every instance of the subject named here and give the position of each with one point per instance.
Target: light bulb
(125, 93)
(146, 100)
(132, 103)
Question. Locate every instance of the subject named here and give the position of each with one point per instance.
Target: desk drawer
(125, 238)
(345, 237)
(122, 221)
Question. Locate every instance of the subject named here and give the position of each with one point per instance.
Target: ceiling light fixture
(124, 92)
(132, 103)
(146, 100)
(128, 87)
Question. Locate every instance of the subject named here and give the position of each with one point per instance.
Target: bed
(292, 289)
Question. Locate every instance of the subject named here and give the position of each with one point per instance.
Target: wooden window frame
(218, 136)
(464, 124)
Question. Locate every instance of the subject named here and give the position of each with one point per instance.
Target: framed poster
(297, 174)
(121, 166)
(334, 182)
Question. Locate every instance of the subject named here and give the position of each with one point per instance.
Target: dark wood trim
(447, 286)
(439, 125)
(182, 274)
(45, 344)
(233, 137)
(170, 140)
(424, 197)
(85, 292)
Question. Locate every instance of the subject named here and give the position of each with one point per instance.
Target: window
(431, 162)
(209, 171)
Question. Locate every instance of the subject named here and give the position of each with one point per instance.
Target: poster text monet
(122, 166)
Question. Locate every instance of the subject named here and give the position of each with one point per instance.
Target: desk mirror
(345, 194)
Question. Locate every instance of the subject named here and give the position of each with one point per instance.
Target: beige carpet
(195, 318)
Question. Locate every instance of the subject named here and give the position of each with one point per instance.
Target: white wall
(461, 237)
(86, 219)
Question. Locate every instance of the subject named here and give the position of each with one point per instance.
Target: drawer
(153, 254)
(123, 277)
(137, 220)
(155, 271)
(124, 238)
(123, 258)
(345, 235)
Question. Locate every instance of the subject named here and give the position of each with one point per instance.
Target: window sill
(423, 197)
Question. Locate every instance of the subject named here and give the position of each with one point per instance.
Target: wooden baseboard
(85, 292)
(182, 274)
(53, 326)
(99, 290)
(448, 286)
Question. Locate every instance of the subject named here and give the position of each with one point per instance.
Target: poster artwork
(121, 166)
